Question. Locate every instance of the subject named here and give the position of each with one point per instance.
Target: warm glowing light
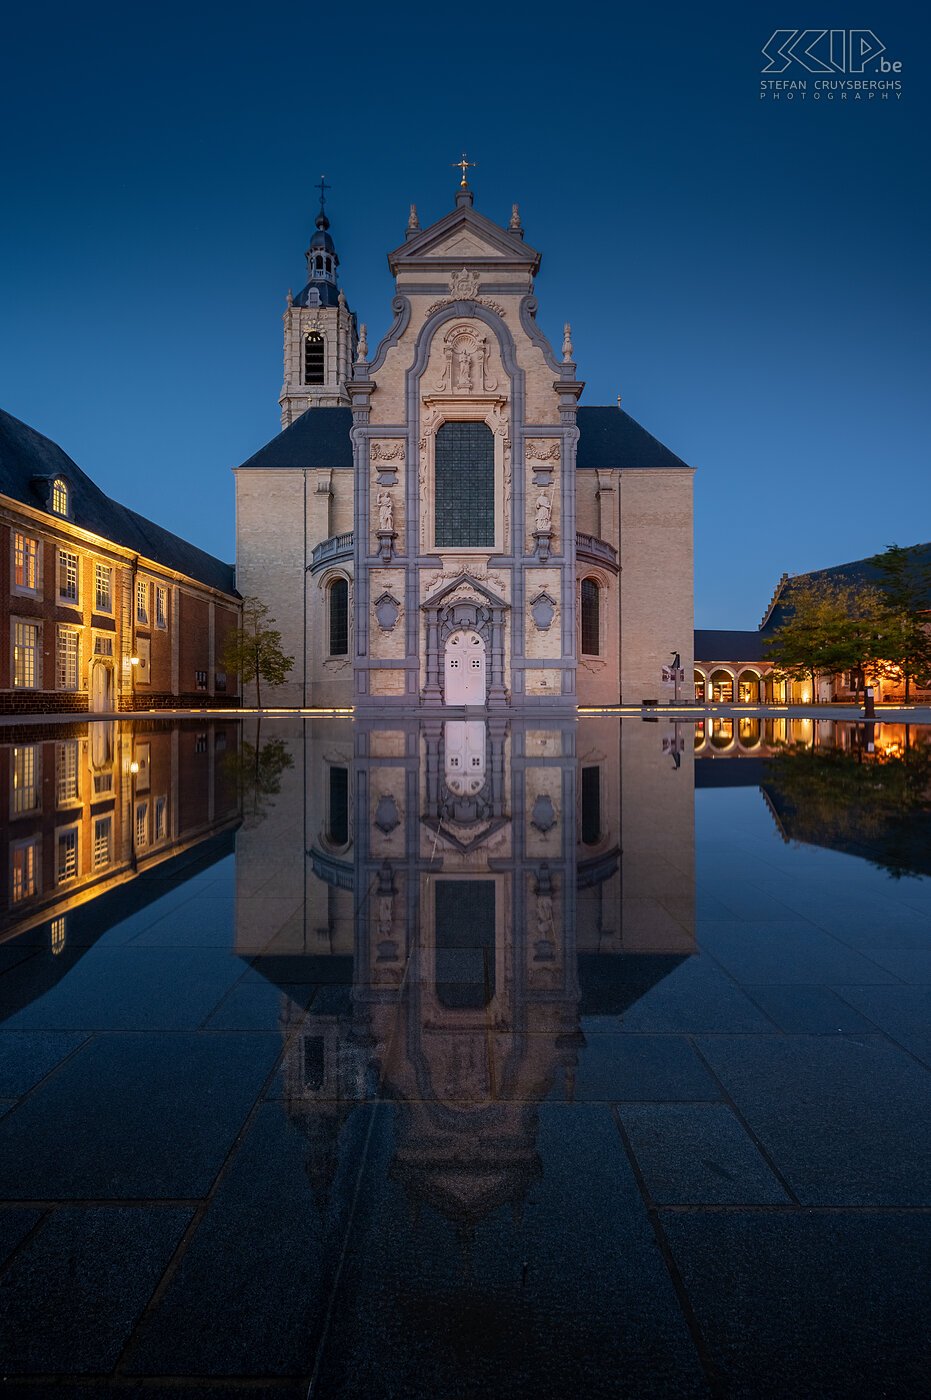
(134, 767)
(134, 661)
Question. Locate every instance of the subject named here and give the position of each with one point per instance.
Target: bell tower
(320, 332)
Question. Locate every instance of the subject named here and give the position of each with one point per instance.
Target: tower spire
(323, 187)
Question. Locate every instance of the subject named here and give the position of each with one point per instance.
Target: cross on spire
(322, 187)
(463, 165)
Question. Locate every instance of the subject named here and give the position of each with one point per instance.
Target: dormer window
(313, 358)
(60, 496)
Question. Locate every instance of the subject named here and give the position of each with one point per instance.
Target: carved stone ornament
(464, 285)
(388, 452)
(385, 512)
(387, 816)
(465, 362)
(538, 450)
(543, 611)
(387, 611)
(543, 816)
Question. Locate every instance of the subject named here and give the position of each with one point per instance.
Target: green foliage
(256, 771)
(905, 586)
(832, 626)
(253, 651)
(877, 805)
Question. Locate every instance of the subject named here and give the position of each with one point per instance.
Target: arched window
(313, 358)
(60, 496)
(464, 486)
(338, 805)
(590, 640)
(591, 805)
(339, 617)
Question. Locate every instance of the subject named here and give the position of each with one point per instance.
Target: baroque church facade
(439, 523)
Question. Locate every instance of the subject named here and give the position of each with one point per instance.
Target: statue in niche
(385, 512)
(385, 915)
(545, 922)
(463, 371)
(544, 515)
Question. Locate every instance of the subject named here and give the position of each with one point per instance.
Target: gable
(463, 235)
(465, 244)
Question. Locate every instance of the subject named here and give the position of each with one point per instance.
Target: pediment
(463, 236)
(469, 581)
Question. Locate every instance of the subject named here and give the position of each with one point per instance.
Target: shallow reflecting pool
(457, 1059)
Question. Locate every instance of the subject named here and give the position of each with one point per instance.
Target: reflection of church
(478, 885)
(439, 522)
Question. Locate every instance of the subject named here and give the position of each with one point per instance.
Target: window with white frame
(142, 824)
(66, 855)
(103, 783)
(25, 655)
(103, 828)
(67, 771)
(103, 588)
(142, 601)
(25, 563)
(161, 607)
(68, 576)
(60, 496)
(25, 778)
(25, 864)
(103, 643)
(68, 639)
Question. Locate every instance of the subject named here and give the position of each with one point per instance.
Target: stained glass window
(464, 486)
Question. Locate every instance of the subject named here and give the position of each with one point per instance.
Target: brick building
(439, 523)
(104, 609)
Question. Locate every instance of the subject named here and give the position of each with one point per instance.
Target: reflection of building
(443, 524)
(731, 666)
(493, 882)
(106, 611)
(88, 807)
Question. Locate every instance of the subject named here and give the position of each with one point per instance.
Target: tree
(257, 770)
(253, 650)
(905, 583)
(832, 626)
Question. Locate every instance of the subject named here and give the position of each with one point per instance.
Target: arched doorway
(465, 669)
(749, 688)
(722, 686)
(699, 684)
(101, 688)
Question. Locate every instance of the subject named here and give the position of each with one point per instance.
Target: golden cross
(463, 165)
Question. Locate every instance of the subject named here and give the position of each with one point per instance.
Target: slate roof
(319, 438)
(27, 463)
(711, 645)
(329, 295)
(860, 571)
(609, 437)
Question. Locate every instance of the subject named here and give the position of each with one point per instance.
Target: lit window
(142, 601)
(59, 935)
(60, 496)
(67, 659)
(103, 584)
(590, 639)
(161, 818)
(66, 862)
(67, 771)
(102, 829)
(103, 644)
(200, 680)
(313, 358)
(25, 654)
(464, 486)
(24, 871)
(339, 617)
(26, 563)
(67, 576)
(25, 785)
(142, 824)
(161, 607)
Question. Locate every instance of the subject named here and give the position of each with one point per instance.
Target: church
(440, 523)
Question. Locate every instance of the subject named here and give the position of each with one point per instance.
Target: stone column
(497, 692)
(432, 688)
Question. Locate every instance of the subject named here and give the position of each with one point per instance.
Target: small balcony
(596, 551)
(331, 551)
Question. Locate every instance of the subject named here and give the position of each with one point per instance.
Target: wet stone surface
(632, 1102)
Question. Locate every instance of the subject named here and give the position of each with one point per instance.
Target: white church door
(465, 669)
(464, 745)
(101, 688)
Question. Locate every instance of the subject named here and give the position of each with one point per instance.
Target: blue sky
(750, 275)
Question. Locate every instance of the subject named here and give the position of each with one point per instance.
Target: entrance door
(464, 745)
(465, 669)
(101, 688)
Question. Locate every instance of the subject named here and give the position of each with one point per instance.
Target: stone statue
(463, 370)
(385, 512)
(545, 921)
(544, 514)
